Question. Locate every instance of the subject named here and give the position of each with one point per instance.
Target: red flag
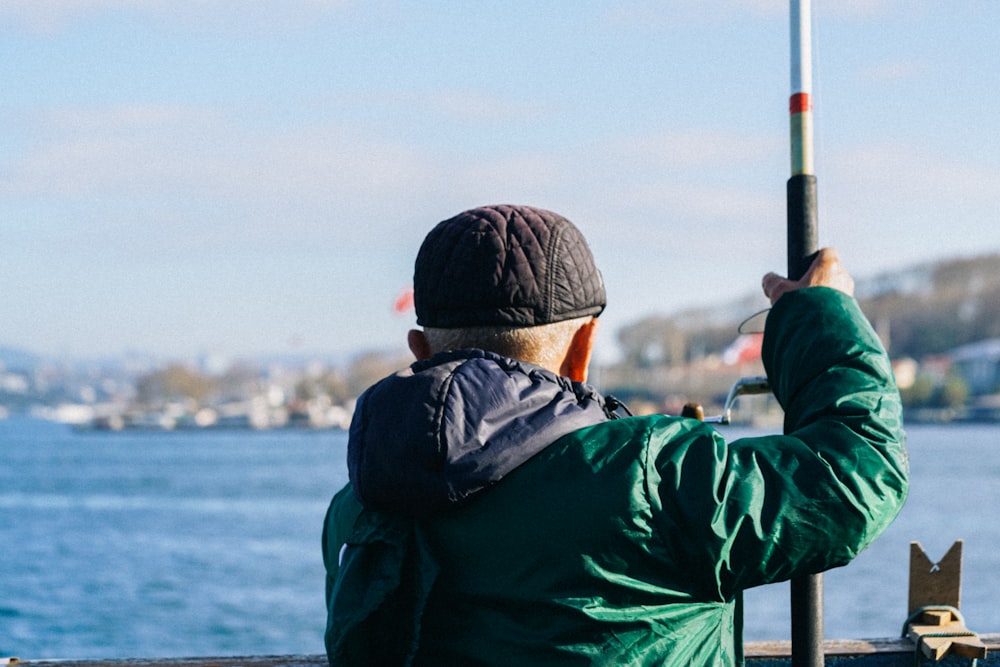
(404, 301)
(744, 349)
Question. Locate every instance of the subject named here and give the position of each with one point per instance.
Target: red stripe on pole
(799, 102)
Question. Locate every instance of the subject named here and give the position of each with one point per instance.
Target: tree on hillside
(174, 383)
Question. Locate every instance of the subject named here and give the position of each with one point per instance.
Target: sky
(192, 177)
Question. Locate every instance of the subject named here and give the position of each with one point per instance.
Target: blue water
(148, 544)
(954, 494)
(188, 544)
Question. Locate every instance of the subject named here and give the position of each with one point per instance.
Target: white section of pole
(801, 42)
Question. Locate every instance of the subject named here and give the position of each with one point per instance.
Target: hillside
(934, 308)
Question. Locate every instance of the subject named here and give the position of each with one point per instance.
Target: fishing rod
(802, 235)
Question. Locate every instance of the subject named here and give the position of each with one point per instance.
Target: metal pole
(807, 590)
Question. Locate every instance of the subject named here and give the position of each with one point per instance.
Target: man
(500, 513)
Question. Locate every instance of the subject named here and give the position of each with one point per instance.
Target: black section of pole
(803, 224)
(807, 590)
(807, 620)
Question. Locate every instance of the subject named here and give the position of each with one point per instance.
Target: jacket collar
(436, 434)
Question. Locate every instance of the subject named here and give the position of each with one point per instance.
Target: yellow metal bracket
(934, 621)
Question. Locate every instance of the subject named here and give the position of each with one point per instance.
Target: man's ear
(419, 346)
(577, 362)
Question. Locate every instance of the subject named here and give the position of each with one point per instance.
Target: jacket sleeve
(337, 526)
(765, 509)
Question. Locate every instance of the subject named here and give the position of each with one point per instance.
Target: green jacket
(627, 542)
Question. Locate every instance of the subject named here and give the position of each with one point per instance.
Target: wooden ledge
(758, 653)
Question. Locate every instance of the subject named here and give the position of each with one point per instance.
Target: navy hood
(430, 437)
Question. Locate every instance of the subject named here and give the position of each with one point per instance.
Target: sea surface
(142, 544)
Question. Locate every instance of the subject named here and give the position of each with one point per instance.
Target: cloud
(144, 181)
(167, 150)
(170, 177)
(695, 147)
(886, 204)
(862, 9)
(914, 174)
(48, 16)
(85, 151)
(481, 107)
(891, 71)
(652, 13)
(730, 204)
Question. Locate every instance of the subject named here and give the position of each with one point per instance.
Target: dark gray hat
(505, 266)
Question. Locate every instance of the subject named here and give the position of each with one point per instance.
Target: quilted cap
(505, 266)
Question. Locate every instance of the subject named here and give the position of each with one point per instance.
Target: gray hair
(544, 345)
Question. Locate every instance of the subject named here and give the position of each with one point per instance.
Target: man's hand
(825, 271)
